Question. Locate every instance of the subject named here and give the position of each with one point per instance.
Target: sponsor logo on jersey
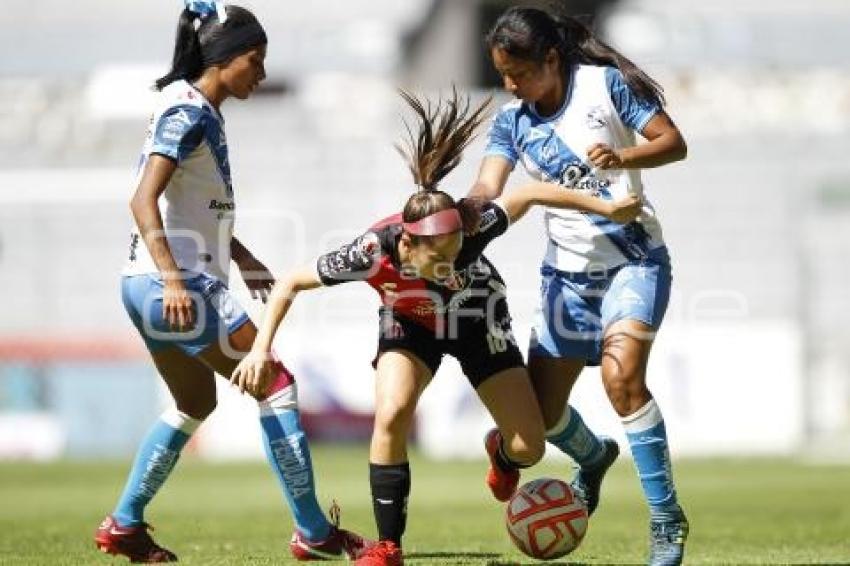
(175, 125)
(578, 175)
(221, 205)
(574, 173)
(489, 218)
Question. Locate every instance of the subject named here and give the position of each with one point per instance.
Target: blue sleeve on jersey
(178, 132)
(500, 138)
(634, 111)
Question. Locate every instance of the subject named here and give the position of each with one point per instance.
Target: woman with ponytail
(174, 285)
(605, 286)
(439, 296)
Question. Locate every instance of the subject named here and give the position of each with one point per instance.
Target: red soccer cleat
(133, 542)
(385, 553)
(339, 543)
(502, 484)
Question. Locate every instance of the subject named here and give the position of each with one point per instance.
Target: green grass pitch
(741, 512)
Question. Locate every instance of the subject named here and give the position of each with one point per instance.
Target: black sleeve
(351, 262)
(493, 223)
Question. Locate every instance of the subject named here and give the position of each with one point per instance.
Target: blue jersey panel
(551, 155)
(634, 111)
(179, 131)
(500, 139)
(217, 142)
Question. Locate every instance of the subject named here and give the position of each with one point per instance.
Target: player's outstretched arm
(258, 362)
(519, 201)
(256, 275)
(491, 179)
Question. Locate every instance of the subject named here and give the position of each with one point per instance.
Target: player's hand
(625, 210)
(470, 214)
(257, 277)
(604, 157)
(254, 373)
(177, 306)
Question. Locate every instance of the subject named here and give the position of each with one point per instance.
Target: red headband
(437, 224)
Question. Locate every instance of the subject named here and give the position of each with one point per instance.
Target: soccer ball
(545, 519)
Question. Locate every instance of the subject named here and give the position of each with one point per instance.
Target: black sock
(504, 462)
(390, 489)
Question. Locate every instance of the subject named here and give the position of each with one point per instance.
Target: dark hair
(188, 61)
(529, 33)
(444, 130)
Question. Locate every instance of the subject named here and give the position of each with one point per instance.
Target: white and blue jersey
(599, 108)
(197, 210)
(197, 206)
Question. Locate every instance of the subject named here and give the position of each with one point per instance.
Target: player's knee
(394, 417)
(280, 390)
(198, 409)
(626, 395)
(526, 449)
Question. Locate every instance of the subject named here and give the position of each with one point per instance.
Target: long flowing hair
(530, 33)
(434, 147)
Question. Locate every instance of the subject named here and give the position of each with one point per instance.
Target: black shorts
(482, 349)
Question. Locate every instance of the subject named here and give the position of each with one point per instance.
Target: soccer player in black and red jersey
(439, 296)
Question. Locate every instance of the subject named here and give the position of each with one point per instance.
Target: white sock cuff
(643, 419)
(562, 423)
(284, 400)
(180, 420)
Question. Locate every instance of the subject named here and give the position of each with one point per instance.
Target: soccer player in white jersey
(605, 286)
(174, 286)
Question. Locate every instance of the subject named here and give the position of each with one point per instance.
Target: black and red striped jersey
(373, 257)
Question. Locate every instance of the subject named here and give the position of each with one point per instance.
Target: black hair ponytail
(187, 62)
(529, 33)
(203, 41)
(590, 50)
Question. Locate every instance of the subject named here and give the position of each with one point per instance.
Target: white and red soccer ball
(545, 519)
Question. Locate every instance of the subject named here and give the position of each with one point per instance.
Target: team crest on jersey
(595, 118)
(456, 281)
